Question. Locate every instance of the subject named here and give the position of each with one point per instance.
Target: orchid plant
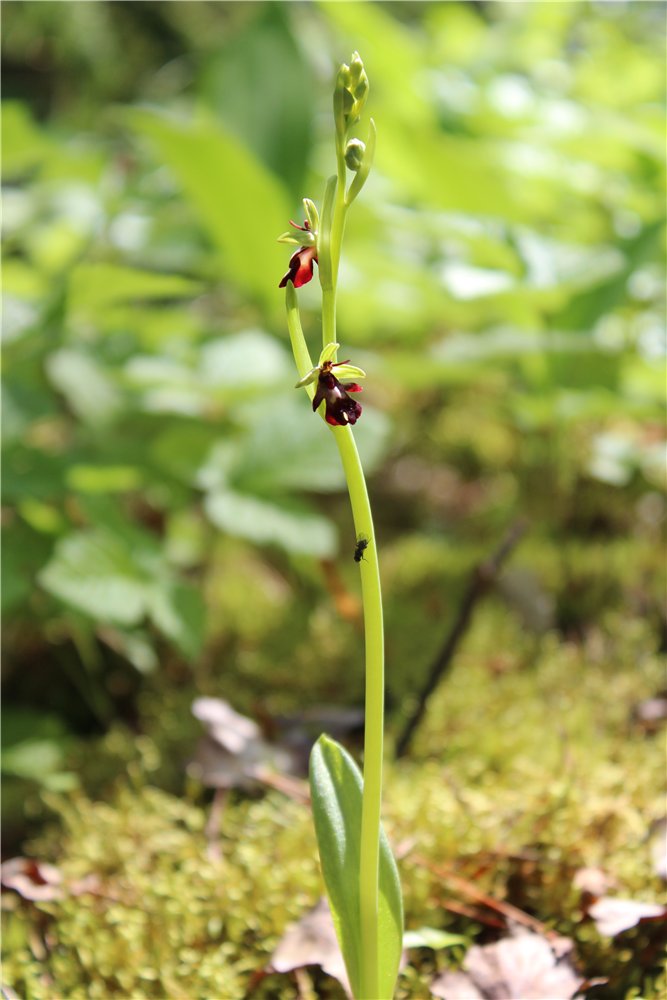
(359, 870)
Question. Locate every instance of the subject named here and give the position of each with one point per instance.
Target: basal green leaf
(336, 790)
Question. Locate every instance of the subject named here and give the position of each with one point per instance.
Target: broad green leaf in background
(104, 478)
(178, 611)
(24, 551)
(271, 522)
(336, 790)
(34, 745)
(239, 203)
(85, 384)
(94, 571)
(93, 287)
(260, 83)
(31, 472)
(120, 578)
(24, 146)
(287, 447)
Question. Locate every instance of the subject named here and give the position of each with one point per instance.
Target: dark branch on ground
(483, 578)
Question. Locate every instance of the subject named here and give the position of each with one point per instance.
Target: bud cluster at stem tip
(350, 94)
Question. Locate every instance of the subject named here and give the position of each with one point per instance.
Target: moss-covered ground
(528, 766)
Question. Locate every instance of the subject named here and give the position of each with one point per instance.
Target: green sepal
(308, 378)
(328, 353)
(336, 789)
(349, 371)
(289, 238)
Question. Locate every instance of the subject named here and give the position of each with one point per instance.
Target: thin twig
(483, 577)
(511, 913)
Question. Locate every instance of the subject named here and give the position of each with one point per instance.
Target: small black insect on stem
(360, 548)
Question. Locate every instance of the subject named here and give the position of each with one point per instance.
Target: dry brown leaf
(311, 941)
(233, 753)
(612, 916)
(33, 880)
(651, 713)
(593, 882)
(523, 967)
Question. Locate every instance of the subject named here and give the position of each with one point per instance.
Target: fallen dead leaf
(522, 967)
(227, 727)
(311, 941)
(233, 754)
(651, 713)
(33, 880)
(456, 986)
(612, 916)
(593, 882)
(39, 881)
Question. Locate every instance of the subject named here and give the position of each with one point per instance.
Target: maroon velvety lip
(341, 409)
(300, 267)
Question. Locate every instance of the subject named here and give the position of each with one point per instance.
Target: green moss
(164, 919)
(526, 767)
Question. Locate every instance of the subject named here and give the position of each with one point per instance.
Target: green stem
(297, 339)
(334, 211)
(374, 648)
(374, 719)
(328, 274)
(371, 595)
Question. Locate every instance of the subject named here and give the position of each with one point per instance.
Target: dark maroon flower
(301, 262)
(300, 267)
(341, 409)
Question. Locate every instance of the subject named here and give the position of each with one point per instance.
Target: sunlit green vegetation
(175, 523)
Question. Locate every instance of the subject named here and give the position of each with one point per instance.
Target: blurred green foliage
(173, 521)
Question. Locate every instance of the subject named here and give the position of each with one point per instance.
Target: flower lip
(341, 409)
(300, 269)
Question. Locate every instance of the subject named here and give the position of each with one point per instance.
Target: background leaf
(239, 203)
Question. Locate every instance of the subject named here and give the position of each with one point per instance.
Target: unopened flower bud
(354, 154)
(356, 69)
(361, 89)
(350, 93)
